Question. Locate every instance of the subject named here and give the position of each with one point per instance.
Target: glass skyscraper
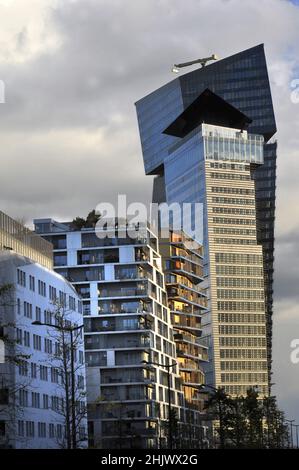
(233, 174)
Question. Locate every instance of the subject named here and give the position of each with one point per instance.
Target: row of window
(28, 311)
(249, 378)
(23, 337)
(239, 271)
(241, 306)
(242, 330)
(229, 176)
(238, 258)
(45, 372)
(241, 318)
(240, 294)
(42, 290)
(229, 166)
(242, 342)
(235, 231)
(48, 315)
(239, 390)
(234, 241)
(232, 200)
(244, 365)
(239, 282)
(54, 403)
(227, 190)
(229, 221)
(36, 401)
(21, 280)
(233, 210)
(243, 353)
(28, 429)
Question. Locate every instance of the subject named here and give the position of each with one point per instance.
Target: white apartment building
(33, 398)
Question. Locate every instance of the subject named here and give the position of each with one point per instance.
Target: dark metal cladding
(207, 108)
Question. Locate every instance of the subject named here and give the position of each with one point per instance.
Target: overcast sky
(72, 71)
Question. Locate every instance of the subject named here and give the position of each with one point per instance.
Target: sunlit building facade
(183, 267)
(16, 237)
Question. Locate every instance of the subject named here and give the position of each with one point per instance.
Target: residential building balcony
(187, 323)
(195, 378)
(98, 256)
(189, 351)
(126, 273)
(117, 341)
(124, 411)
(135, 428)
(83, 274)
(142, 254)
(116, 324)
(141, 392)
(116, 307)
(183, 309)
(114, 290)
(113, 376)
(185, 295)
(90, 240)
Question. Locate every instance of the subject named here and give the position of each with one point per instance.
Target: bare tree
(70, 373)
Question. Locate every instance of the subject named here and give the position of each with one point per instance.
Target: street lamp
(168, 367)
(291, 426)
(296, 427)
(70, 330)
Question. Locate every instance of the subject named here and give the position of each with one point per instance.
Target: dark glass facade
(242, 80)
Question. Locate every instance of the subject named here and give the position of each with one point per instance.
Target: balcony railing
(114, 310)
(184, 294)
(188, 364)
(117, 343)
(124, 292)
(117, 326)
(83, 275)
(123, 378)
(185, 309)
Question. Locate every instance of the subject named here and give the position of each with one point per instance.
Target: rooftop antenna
(176, 68)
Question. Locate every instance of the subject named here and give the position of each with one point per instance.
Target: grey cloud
(287, 267)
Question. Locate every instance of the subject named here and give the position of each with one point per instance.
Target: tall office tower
(242, 80)
(33, 397)
(127, 321)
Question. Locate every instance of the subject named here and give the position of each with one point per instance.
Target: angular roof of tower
(207, 108)
(240, 79)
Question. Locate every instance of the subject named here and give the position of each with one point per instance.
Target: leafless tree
(70, 371)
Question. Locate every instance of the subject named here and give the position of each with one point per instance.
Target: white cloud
(26, 30)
